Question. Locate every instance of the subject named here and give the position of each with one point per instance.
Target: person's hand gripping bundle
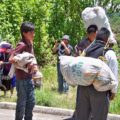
(34, 70)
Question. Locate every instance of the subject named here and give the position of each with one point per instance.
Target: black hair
(92, 29)
(103, 34)
(26, 27)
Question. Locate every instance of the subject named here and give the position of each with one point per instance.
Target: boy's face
(29, 35)
(92, 36)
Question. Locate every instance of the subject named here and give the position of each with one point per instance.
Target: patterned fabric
(61, 49)
(81, 46)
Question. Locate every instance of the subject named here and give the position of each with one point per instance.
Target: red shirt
(23, 46)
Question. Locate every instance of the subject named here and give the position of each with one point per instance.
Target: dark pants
(62, 85)
(91, 102)
(25, 99)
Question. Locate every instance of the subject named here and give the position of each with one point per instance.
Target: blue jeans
(25, 99)
(62, 85)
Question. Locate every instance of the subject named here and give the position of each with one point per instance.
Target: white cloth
(97, 16)
(113, 64)
(21, 61)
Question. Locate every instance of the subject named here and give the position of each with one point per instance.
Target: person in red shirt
(24, 83)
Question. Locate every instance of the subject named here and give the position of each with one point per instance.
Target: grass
(115, 104)
(7, 98)
(48, 95)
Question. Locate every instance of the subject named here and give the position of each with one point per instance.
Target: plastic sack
(86, 71)
(97, 16)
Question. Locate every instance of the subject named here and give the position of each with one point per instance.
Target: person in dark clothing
(89, 100)
(79, 48)
(5, 80)
(24, 83)
(91, 34)
(62, 48)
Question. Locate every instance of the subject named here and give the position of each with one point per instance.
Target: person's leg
(65, 86)
(77, 95)
(60, 79)
(3, 88)
(82, 111)
(30, 103)
(99, 104)
(11, 91)
(21, 99)
(13, 84)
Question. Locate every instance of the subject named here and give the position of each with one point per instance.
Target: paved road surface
(10, 115)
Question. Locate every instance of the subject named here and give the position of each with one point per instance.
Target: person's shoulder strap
(106, 50)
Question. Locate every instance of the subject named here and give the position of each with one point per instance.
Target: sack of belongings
(86, 71)
(26, 62)
(97, 16)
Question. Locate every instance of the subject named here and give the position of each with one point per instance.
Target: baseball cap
(66, 37)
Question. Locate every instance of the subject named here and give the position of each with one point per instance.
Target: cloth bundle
(97, 16)
(86, 71)
(25, 61)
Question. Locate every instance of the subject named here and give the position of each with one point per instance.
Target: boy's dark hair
(103, 34)
(27, 27)
(92, 29)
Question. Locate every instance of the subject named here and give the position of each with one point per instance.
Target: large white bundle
(86, 71)
(21, 62)
(97, 16)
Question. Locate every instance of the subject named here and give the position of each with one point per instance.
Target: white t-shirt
(113, 64)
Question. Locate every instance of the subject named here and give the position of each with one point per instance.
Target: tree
(52, 19)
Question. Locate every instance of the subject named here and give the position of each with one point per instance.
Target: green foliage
(115, 104)
(10, 20)
(65, 18)
(115, 24)
(44, 98)
(52, 19)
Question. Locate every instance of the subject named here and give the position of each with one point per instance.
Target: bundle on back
(97, 16)
(86, 71)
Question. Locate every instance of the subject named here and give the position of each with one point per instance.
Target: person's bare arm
(55, 48)
(67, 50)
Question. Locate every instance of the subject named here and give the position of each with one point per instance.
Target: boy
(24, 83)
